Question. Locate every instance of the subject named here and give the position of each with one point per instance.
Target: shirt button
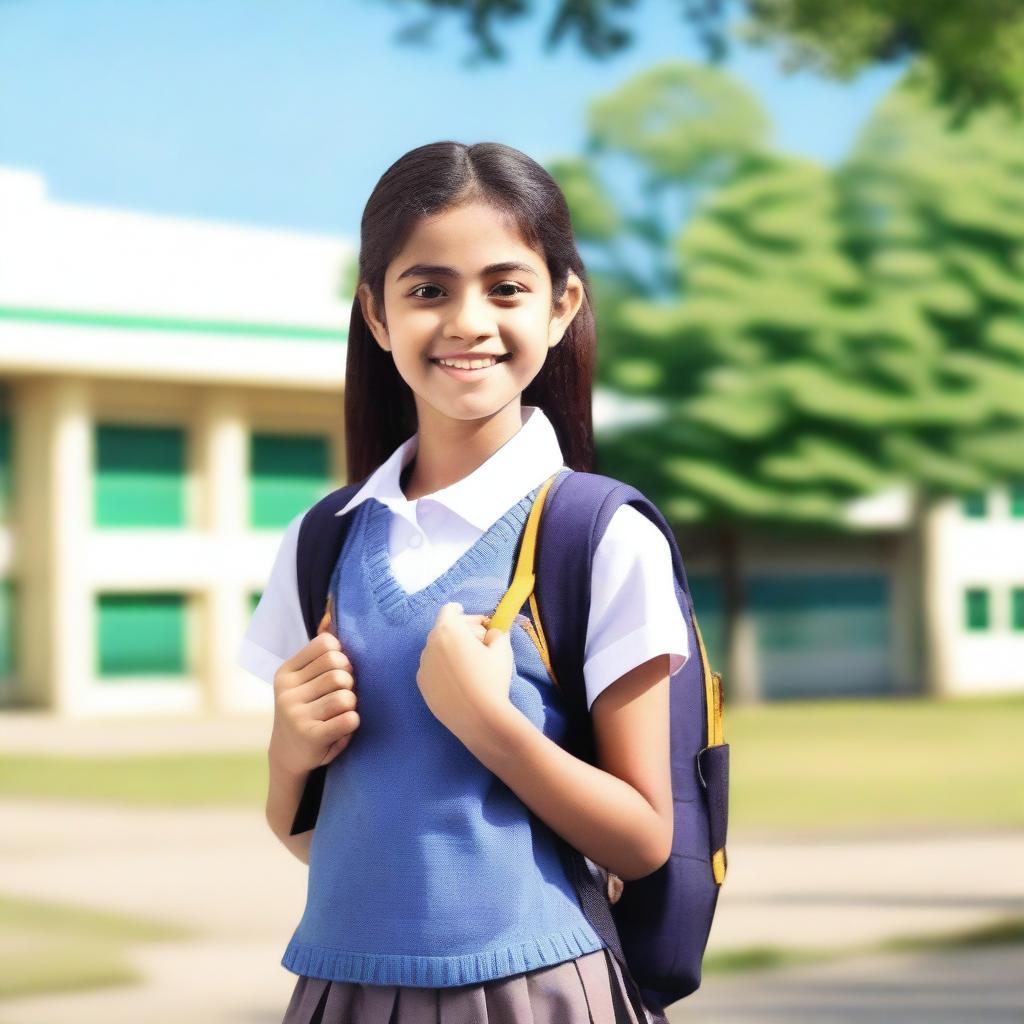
(415, 540)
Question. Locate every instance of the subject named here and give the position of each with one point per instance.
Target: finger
(330, 681)
(307, 655)
(337, 702)
(449, 610)
(325, 662)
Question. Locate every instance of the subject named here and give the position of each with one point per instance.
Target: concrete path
(964, 987)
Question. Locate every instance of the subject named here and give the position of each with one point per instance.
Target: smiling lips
(469, 368)
(467, 374)
(466, 362)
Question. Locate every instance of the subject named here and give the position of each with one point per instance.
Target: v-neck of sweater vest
(399, 604)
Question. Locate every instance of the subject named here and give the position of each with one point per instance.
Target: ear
(565, 309)
(378, 327)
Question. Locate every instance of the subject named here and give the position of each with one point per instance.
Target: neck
(448, 450)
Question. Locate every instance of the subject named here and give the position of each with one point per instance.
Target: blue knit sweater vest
(425, 869)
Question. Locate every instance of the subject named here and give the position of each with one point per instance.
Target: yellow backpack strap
(716, 729)
(524, 580)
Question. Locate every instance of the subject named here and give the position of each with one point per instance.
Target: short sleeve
(276, 630)
(634, 613)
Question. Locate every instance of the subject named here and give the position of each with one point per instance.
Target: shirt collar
(524, 462)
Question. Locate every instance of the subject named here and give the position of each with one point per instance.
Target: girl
(436, 891)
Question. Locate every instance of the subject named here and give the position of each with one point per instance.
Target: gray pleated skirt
(587, 990)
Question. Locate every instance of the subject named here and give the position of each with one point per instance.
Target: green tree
(936, 220)
(823, 342)
(976, 48)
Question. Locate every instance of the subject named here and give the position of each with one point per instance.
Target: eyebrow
(436, 270)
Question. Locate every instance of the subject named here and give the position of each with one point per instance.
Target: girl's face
(466, 284)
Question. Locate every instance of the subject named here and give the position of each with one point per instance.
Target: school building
(171, 394)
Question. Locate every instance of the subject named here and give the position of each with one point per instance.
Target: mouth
(460, 373)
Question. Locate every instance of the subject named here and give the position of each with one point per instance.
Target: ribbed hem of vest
(435, 971)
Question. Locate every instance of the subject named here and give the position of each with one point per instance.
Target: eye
(510, 284)
(504, 284)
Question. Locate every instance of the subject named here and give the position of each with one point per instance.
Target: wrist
(498, 735)
(280, 763)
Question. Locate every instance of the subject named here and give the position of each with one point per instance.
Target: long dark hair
(380, 409)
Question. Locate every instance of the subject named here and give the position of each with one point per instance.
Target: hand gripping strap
(321, 536)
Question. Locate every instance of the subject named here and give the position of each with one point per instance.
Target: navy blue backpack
(658, 927)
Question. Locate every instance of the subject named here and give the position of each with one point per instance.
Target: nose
(470, 318)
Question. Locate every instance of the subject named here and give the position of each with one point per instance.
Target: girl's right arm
(283, 797)
(314, 719)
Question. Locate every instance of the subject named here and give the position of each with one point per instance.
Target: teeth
(468, 364)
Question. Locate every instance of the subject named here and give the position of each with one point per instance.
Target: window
(140, 634)
(821, 633)
(976, 609)
(1017, 608)
(975, 505)
(139, 476)
(1017, 499)
(287, 474)
(6, 476)
(8, 628)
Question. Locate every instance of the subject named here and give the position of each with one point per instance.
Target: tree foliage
(976, 49)
(829, 333)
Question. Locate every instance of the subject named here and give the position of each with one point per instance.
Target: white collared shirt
(634, 615)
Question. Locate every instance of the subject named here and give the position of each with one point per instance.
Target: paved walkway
(981, 986)
(223, 873)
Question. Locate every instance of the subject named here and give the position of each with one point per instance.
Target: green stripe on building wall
(121, 321)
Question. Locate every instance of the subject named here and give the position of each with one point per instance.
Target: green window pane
(254, 599)
(706, 592)
(821, 609)
(1017, 499)
(822, 634)
(974, 505)
(6, 476)
(139, 476)
(1017, 608)
(976, 608)
(287, 473)
(141, 634)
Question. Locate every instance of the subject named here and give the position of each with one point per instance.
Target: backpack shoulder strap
(321, 535)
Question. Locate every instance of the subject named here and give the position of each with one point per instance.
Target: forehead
(466, 239)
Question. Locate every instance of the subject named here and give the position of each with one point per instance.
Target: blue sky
(284, 114)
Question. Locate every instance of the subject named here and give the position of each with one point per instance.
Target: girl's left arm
(619, 814)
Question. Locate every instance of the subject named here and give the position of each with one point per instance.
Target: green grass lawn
(153, 780)
(48, 947)
(824, 765)
(861, 764)
(1003, 932)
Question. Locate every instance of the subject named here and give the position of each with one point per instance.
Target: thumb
(449, 609)
(495, 636)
